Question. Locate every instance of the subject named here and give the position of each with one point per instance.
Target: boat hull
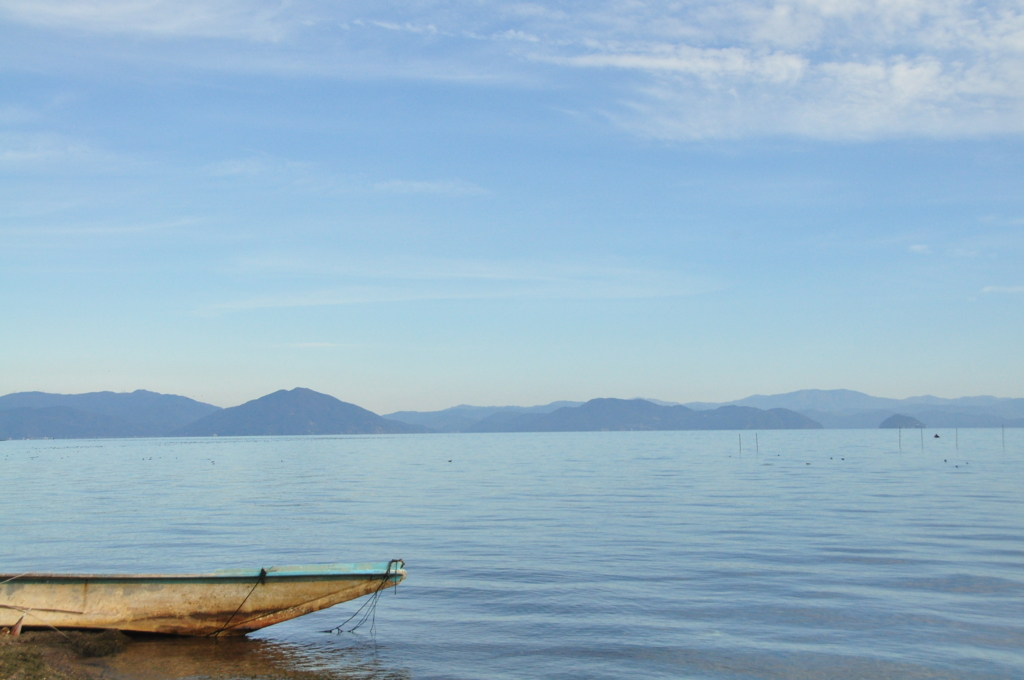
(229, 602)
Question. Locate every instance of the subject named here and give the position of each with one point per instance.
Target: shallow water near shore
(572, 555)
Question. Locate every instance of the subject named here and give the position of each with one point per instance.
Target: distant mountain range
(38, 415)
(833, 409)
(294, 412)
(849, 409)
(462, 418)
(35, 415)
(638, 414)
(97, 414)
(61, 422)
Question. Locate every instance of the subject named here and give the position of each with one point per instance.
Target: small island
(900, 420)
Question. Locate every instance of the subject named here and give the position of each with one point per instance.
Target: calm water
(576, 555)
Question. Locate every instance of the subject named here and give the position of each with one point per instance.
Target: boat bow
(223, 602)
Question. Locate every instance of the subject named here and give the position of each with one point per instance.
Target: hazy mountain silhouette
(900, 420)
(821, 400)
(294, 412)
(61, 422)
(462, 417)
(639, 414)
(146, 413)
(850, 409)
(142, 413)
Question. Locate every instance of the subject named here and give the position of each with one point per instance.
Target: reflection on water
(331, 658)
(166, 658)
(772, 665)
(568, 555)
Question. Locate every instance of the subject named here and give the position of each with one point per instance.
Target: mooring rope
(261, 579)
(370, 605)
(28, 612)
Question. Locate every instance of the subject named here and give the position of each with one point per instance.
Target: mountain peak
(299, 411)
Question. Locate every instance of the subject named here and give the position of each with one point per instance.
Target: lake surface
(570, 555)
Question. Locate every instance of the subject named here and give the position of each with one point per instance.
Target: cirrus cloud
(1003, 289)
(262, 21)
(833, 69)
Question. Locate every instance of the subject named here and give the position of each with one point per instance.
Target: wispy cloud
(921, 249)
(259, 164)
(28, 151)
(846, 69)
(15, 114)
(94, 229)
(428, 29)
(706, 64)
(1003, 289)
(313, 345)
(406, 280)
(310, 177)
(255, 20)
(443, 187)
(512, 34)
(1002, 220)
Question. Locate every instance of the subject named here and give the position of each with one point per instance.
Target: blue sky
(414, 205)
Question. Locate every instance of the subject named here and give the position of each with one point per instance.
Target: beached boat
(224, 602)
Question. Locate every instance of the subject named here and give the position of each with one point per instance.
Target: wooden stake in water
(741, 444)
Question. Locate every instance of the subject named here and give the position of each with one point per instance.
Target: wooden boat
(223, 602)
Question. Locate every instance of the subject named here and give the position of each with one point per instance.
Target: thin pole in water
(741, 444)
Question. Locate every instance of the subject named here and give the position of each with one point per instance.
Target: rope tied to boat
(369, 607)
(261, 579)
(26, 573)
(16, 628)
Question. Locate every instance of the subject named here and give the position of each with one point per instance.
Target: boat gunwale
(321, 572)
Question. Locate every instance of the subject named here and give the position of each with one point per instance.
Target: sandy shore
(110, 655)
(49, 655)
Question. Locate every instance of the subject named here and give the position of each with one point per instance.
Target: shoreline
(59, 655)
(112, 655)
